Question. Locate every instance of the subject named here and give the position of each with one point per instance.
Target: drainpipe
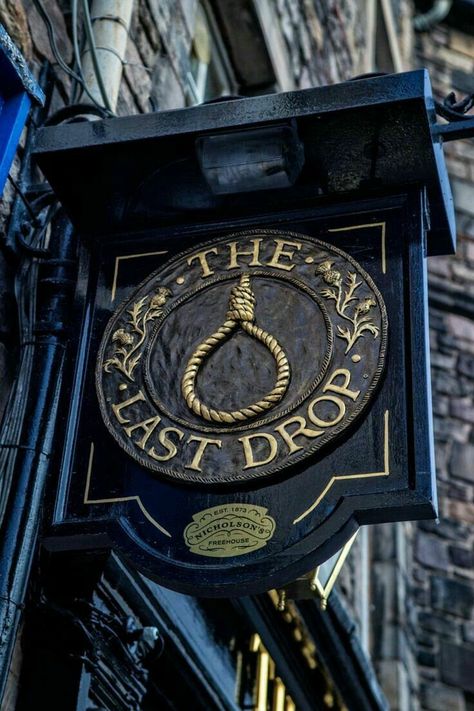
(106, 25)
(29, 453)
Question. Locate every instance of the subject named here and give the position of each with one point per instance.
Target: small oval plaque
(229, 530)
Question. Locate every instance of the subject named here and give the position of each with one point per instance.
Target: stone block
(126, 105)
(452, 596)
(431, 551)
(438, 360)
(461, 464)
(441, 406)
(384, 542)
(394, 680)
(148, 25)
(426, 657)
(450, 429)
(390, 642)
(39, 34)
(138, 77)
(461, 557)
(464, 511)
(458, 168)
(465, 223)
(460, 326)
(446, 528)
(462, 272)
(457, 666)
(425, 639)
(456, 490)
(455, 59)
(420, 575)
(174, 36)
(442, 457)
(468, 632)
(167, 91)
(466, 365)
(446, 383)
(461, 42)
(13, 17)
(438, 697)
(437, 624)
(189, 9)
(462, 409)
(146, 47)
(470, 251)
(440, 266)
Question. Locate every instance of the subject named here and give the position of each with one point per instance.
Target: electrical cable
(436, 14)
(73, 113)
(75, 39)
(57, 54)
(24, 200)
(95, 61)
(25, 284)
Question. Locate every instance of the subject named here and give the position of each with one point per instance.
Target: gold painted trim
(385, 472)
(87, 500)
(122, 258)
(370, 224)
(325, 590)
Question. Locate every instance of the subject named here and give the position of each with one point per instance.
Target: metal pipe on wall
(30, 453)
(107, 25)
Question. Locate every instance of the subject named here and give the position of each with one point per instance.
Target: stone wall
(443, 573)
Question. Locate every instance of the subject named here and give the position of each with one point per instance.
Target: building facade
(399, 629)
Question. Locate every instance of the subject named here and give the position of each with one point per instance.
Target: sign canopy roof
(362, 137)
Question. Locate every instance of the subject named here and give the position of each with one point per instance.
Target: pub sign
(248, 380)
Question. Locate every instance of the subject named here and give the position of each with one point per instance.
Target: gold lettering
(288, 437)
(203, 443)
(201, 256)
(254, 253)
(148, 426)
(167, 444)
(280, 252)
(249, 458)
(126, 403)
(341, 389)
(328, 398)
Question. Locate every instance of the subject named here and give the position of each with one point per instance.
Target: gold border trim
(128, 256)
(382, 236)
(325, 590)
(341, 477)
(87, 500)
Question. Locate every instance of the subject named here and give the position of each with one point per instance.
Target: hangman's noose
(241, 313)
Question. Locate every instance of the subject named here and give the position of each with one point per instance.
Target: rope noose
(241, 313)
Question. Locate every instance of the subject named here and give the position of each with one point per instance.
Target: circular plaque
(241, 357)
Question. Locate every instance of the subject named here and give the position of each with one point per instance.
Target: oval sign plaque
(229, 530)
(234, 361)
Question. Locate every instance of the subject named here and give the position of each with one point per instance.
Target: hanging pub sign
(248, 376)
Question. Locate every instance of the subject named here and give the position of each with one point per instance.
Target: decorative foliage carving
(343, 294)
(129, 341)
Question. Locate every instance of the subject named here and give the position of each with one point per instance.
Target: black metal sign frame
(380, 469)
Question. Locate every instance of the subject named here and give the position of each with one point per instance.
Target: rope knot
(241, 315)
(242, 301)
